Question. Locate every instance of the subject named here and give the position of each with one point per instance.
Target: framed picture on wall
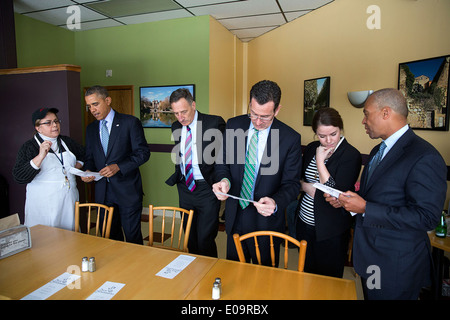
(155, 110)
(424, 83)
(316, 96)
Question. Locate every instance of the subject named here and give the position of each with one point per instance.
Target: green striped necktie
(249, 171)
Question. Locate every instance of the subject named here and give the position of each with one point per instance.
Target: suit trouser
(205, 223)
(126, 220)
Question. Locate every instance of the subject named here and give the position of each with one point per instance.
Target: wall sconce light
(357, 98)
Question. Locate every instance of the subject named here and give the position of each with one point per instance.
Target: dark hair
(179, 94)
(327, 117)
(99, 90)
(266, 91)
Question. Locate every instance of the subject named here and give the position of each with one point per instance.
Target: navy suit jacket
(279, 180)
(128, 149)
(405, 197)
(204, 142)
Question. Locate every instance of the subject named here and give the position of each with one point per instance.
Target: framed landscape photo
(316, 96)
(424, 83)
(155, 110)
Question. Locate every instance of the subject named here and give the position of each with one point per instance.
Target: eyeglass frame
(50, 122)
(256, 117)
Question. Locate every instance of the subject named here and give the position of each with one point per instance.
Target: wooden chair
(171, 222)
(98, 209)
(301, 244)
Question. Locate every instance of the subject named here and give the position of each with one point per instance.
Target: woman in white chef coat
(43, 162)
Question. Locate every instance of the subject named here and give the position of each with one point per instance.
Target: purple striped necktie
(189, 172)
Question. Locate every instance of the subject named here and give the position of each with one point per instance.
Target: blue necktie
(376, 160)
(104, 134)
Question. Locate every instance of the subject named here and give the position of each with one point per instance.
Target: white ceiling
(246, 19)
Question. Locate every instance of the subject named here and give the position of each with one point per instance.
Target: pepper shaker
(92, 266)
(219, 281)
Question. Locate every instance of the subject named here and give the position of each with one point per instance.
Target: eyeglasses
(253, 116)
(50, 122)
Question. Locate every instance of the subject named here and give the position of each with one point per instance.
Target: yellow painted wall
(224, 65)
(335, 41)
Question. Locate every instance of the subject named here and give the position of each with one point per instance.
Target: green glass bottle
(441, 229)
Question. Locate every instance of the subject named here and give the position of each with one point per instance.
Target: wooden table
(439, 246)
(246, 281)
(54, 250)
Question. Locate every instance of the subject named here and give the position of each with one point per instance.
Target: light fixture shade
(357, 98)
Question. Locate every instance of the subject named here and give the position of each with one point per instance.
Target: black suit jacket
(405, 197)
(128, 149)
(208, 141)
(278, 176)
(344, 166)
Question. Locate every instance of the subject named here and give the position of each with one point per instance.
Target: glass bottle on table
(441, 229)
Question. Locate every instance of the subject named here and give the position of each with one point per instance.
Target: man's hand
(349, 200)
(87, 179)
(222, 186)
(110, 170)
(265, 206)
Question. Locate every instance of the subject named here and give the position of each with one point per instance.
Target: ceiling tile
(60, 16)
(237, 9)
(21, 6)
(157, 16)
(294, 5)
(254, 21)
(294, 15)
(120, 8)
(196, 3)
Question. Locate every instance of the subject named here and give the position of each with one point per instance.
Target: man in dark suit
(278, 159)
(205, 135)
(400, 199)
(116, 147)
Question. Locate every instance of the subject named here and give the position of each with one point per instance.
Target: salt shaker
(215, 291)
(92, 266)
(84, 264)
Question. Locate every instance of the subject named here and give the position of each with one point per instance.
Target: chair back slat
(288, 239)
(174, 245)
(102, 227)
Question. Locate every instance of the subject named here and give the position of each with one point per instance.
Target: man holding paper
(262, 161)
(402, 193)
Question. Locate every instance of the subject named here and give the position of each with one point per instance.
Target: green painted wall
(41, 44)
(155, 53)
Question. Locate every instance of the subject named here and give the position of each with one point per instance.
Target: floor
(221, 246)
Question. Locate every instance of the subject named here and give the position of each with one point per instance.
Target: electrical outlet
(108, 73)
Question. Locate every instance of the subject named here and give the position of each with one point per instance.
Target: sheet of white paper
(80, 173)
(234, 197)
(175, 267)
(107, 291)
(52, 287)
(332, 192)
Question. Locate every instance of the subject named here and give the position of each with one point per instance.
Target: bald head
(385, 112)
(391, 98)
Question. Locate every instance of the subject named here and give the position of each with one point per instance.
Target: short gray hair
(392, 98)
